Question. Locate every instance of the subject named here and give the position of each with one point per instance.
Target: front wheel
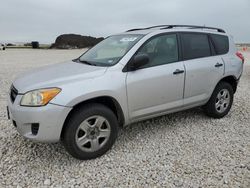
(221, 101)
(90, 132)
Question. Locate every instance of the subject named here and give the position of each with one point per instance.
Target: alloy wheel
(222, 101)
(93, 133)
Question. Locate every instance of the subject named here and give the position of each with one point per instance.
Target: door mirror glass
(138, 61)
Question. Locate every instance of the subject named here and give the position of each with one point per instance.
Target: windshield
(109, 51)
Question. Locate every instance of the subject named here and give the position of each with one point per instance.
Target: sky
(44, 20)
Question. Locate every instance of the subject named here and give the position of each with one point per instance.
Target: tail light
(240, 56)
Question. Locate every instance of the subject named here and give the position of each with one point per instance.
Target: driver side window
(161, 50)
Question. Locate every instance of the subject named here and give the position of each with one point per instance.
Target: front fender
(105, 86)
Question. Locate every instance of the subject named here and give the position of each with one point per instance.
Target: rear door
(203, 67)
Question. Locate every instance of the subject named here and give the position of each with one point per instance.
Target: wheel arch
(107, 101)
(232, 80)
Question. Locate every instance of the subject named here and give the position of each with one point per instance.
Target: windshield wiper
(85, 62)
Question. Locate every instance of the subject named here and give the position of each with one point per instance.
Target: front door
(157, 86)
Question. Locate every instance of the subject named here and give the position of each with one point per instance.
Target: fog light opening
(34, 128)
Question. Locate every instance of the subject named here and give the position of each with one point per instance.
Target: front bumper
(49, 118)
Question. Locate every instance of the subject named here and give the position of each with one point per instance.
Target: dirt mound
(72, 41)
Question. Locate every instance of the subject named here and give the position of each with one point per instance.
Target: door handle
(218, 64)
(178, 71)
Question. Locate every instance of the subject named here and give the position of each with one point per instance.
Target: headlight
(39, 97)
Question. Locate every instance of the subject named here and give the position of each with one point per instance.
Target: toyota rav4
(128, 77)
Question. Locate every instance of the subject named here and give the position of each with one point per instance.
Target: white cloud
(44, 20)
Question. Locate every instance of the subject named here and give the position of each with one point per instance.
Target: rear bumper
(49, 118)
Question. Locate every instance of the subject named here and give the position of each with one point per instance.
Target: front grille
(13, 93)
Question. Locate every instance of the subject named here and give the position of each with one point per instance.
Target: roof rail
(172, 26)
(144, 28)
(194, 27)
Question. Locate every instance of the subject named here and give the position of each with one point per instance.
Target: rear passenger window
(221, 44)
(195, 45)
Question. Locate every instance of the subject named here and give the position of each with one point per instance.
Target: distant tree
(72, 41)
(10, 44)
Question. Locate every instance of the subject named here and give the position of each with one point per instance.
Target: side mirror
(138, 61)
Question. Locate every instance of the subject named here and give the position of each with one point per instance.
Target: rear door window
(221, 43)
(195, 45)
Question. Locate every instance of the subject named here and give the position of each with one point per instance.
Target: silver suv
(128, 77)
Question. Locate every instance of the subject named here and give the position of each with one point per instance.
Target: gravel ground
(185, 149)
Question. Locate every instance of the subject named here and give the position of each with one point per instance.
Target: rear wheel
(221, 101)
(90, 132)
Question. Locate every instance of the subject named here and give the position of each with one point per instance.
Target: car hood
(56, 75)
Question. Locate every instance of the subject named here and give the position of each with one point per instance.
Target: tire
(90, 132)
(221, 101)
(3, 48)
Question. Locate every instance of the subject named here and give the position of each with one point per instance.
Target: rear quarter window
(221, 43)
(195, 45)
